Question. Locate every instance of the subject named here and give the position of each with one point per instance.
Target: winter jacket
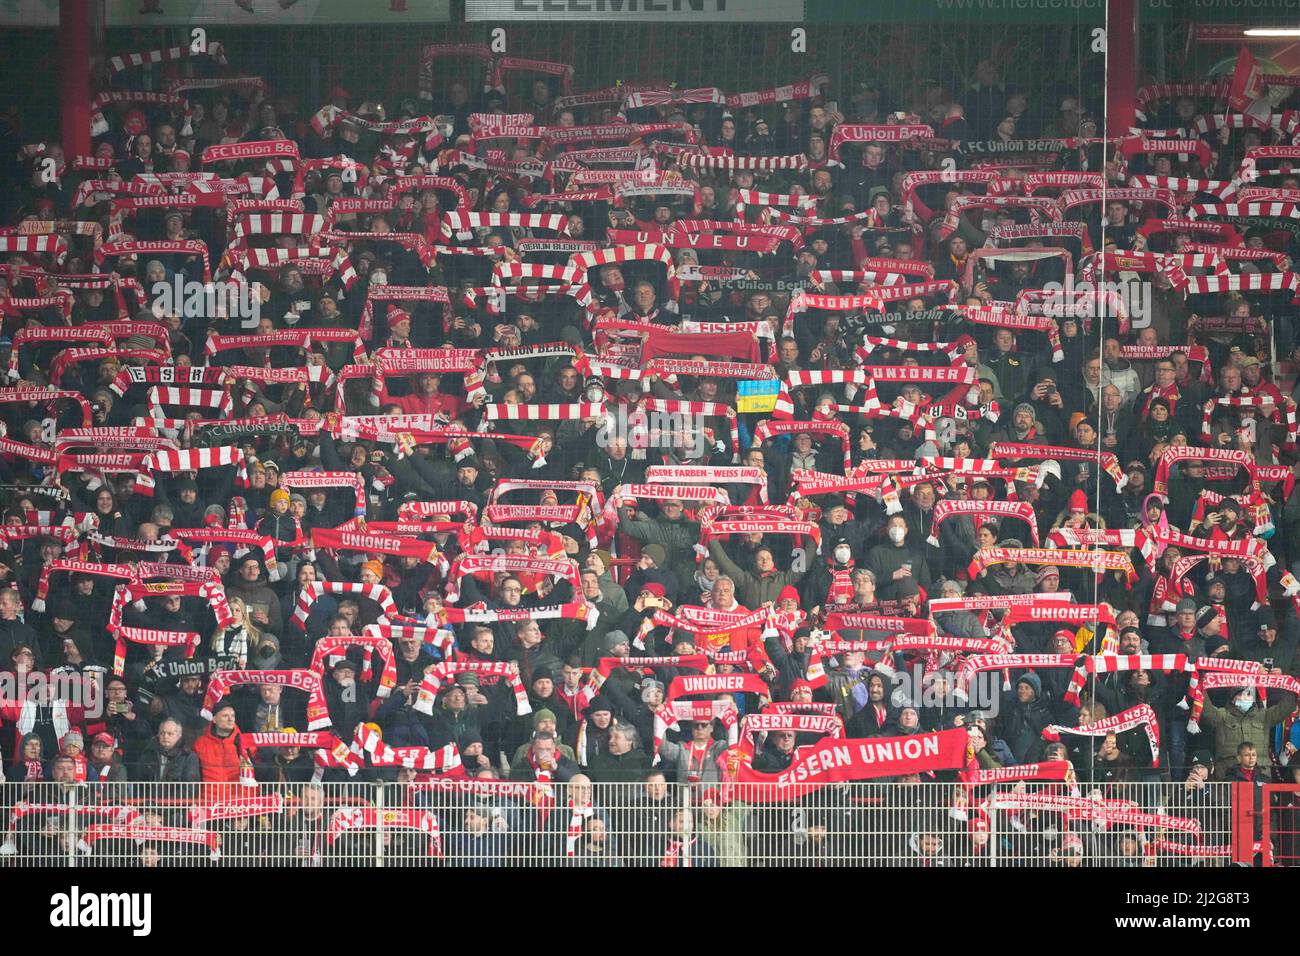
(1230, 727)
(678, 537)
(218, 756)
(630, 767)
(1022, 724)
(179, 766)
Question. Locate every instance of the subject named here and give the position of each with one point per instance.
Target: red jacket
(218, 757)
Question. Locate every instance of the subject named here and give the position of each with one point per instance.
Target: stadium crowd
(649, 436)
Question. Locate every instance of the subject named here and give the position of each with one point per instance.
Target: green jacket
(677, 537)
(726, 834)
(1231, 727)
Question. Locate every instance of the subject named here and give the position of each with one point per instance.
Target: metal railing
(642, 824)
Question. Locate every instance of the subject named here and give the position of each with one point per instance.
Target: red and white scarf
(1115, 663)
(1140, 716)
(439, 673)
(982, 509)
(312, 592)
(221, 682)
(349, 819)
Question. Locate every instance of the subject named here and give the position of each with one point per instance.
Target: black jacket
(180, 766)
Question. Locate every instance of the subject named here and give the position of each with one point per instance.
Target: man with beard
(290, 303)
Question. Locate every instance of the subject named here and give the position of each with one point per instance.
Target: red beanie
(788, 593)
(1079, 501)
(396, 315)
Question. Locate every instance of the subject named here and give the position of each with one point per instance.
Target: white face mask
(842, 555)
(897, 534)
(1244, 704)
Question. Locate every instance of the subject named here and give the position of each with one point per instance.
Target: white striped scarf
(802, 378)
(194, 459)
(633, 253)
(1283, 210)
(1245, 282)
(311, 593)
(495, 296)
(869, 268)
(1222, 188)
(548, 411)
(442, 641)
(125, 61)
(323, 258)
(1256, 402)
(1114, 663)
(753, 197)
(161, 395)
(438, 673)
(457, 221)
(368, 741)
(709, 409)
(277, 223)
(797, 161)
(518, 269)
(56, 246)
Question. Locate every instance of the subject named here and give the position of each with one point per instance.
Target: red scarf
(1169, 393)
(673, 855)
(841, 589)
